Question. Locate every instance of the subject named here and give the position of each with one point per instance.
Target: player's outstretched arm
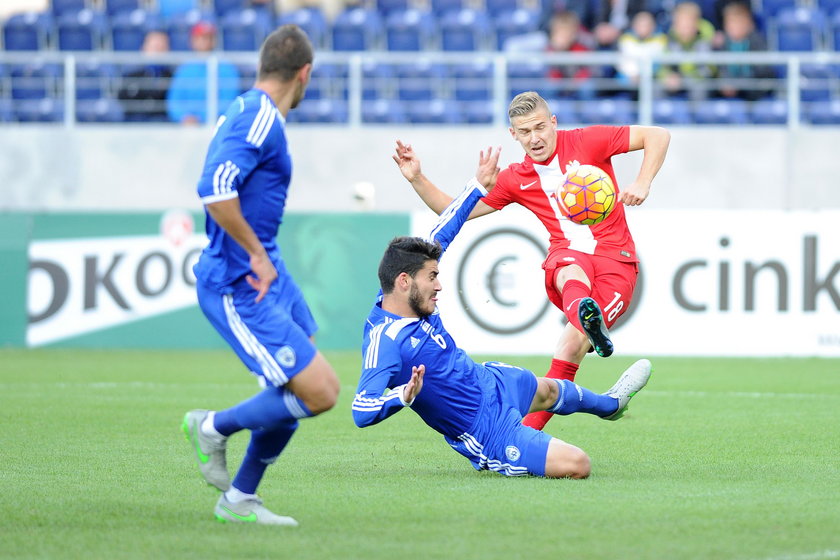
(654, 141)
(437, 200)
(228, 214)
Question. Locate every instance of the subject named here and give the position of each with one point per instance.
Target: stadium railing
(355, 89)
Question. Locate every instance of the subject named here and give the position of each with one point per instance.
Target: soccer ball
(587, 196)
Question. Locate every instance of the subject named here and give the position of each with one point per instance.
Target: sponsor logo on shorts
(286, 356)
(512, 452)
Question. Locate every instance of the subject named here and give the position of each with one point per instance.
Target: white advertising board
(712, 283)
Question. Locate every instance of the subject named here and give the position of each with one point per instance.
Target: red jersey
(533, 185)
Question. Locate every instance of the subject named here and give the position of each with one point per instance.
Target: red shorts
(612, 281)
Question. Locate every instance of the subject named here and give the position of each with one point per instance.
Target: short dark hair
(405, 254)
(285, 51)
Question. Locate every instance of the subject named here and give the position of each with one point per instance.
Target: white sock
(235, 495)
(208, 429)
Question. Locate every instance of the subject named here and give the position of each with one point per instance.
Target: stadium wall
(90, 167)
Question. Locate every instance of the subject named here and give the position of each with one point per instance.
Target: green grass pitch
(716, 458)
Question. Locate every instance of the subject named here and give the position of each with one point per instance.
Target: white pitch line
(819, 555)
(740, 394)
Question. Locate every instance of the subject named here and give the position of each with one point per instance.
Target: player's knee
(568, 462)
(323, 396)
(580, 465)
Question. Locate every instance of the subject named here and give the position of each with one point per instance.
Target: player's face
(422, 297)
(537, 133)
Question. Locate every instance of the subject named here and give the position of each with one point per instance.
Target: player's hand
(264, 275)
(412, 388)
(407, 161)
(635, 194)
(488, 167)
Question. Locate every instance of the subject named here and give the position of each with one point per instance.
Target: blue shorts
(270, 337)
(497, 440)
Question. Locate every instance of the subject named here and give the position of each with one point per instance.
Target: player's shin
(263, 450)
(560, 369)
(574, 398)
(271, 408)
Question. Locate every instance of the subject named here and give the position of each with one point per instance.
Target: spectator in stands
(143, 91)
(612, 19)
(567, 36)
(689, 33)
(642, 40)
(739, 35)
(187, 99)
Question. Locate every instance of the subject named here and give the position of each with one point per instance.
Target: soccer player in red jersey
(590, 271)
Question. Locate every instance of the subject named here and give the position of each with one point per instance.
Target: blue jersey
(452, 390)
(247, 158)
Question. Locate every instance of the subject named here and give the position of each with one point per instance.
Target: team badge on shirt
(512, 452)
(286, 357)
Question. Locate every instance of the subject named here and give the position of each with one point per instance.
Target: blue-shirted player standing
(244, 288)
(410, 360)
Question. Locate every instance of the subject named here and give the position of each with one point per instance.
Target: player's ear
(305, 73)
(512, 132)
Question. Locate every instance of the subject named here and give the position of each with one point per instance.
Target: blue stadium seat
(81, 31)
(180, 25)
(797, 29)
(515, 23)
(245, 30)
(103, 110)
(378, 80)
(672, 111)
(823, 112)
(465, 30)
(440, 7)
(47, 109)
(173, 8)
(387, 7)
(473, 81)
(816, 82)
(128, 29)
(320, 111)
(384, 111)
(769, 8)
(828, 7)
(769, 111)
(328, 81)
(7, 110)
(34, 80)
(357, 29)
(721, 111)
(421, 80)
(409, 30)
(477, 111)
(223, 7)
(61, 7)
(528, 75)
(94, 79)
(437, 111)
(834, 30)
(30, 31)
(496, 7)
(312, 21)
(248, 75)
(114, 7)
(566, 110)
(608, 111)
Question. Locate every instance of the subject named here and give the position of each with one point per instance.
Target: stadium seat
(178, 8)
(833, 31)
(823, 112)
(128, 29)
(61, 7)
(721, 111)
(245, 30)
(496, 7)
(312, 21)
(34, 80)
(30, 31)
(224, 7)
(473, 81)
(608, 111)
(671, 111)
(438, 111)
(114, 7)
(384, 111)
(769, 111)
(440, 7)
(477, 111)
(320, 111)
(409, 30)
(47, 109)
(81, 31)
(328, 81)
(528, 75)
(103, 110)
(828, 7)
(357, 29)
(387, 7)
(7, 110)
(94, 79)
(816, 82)
(378, 80)
(797, 29)
(465, 30)
(180, 25)
(513, 24)
(421, 80)
(566, 110)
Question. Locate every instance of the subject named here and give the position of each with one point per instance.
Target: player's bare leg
(564, 460)
(316, 385)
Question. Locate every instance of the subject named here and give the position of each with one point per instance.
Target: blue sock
(271, 408)
(263, 450)
(574, 398)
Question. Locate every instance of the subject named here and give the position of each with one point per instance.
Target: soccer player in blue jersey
(245, 290)
(409, 359)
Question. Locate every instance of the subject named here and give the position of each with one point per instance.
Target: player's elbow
(362, 419)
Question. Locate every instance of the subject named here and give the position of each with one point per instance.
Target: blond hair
(526, 103)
